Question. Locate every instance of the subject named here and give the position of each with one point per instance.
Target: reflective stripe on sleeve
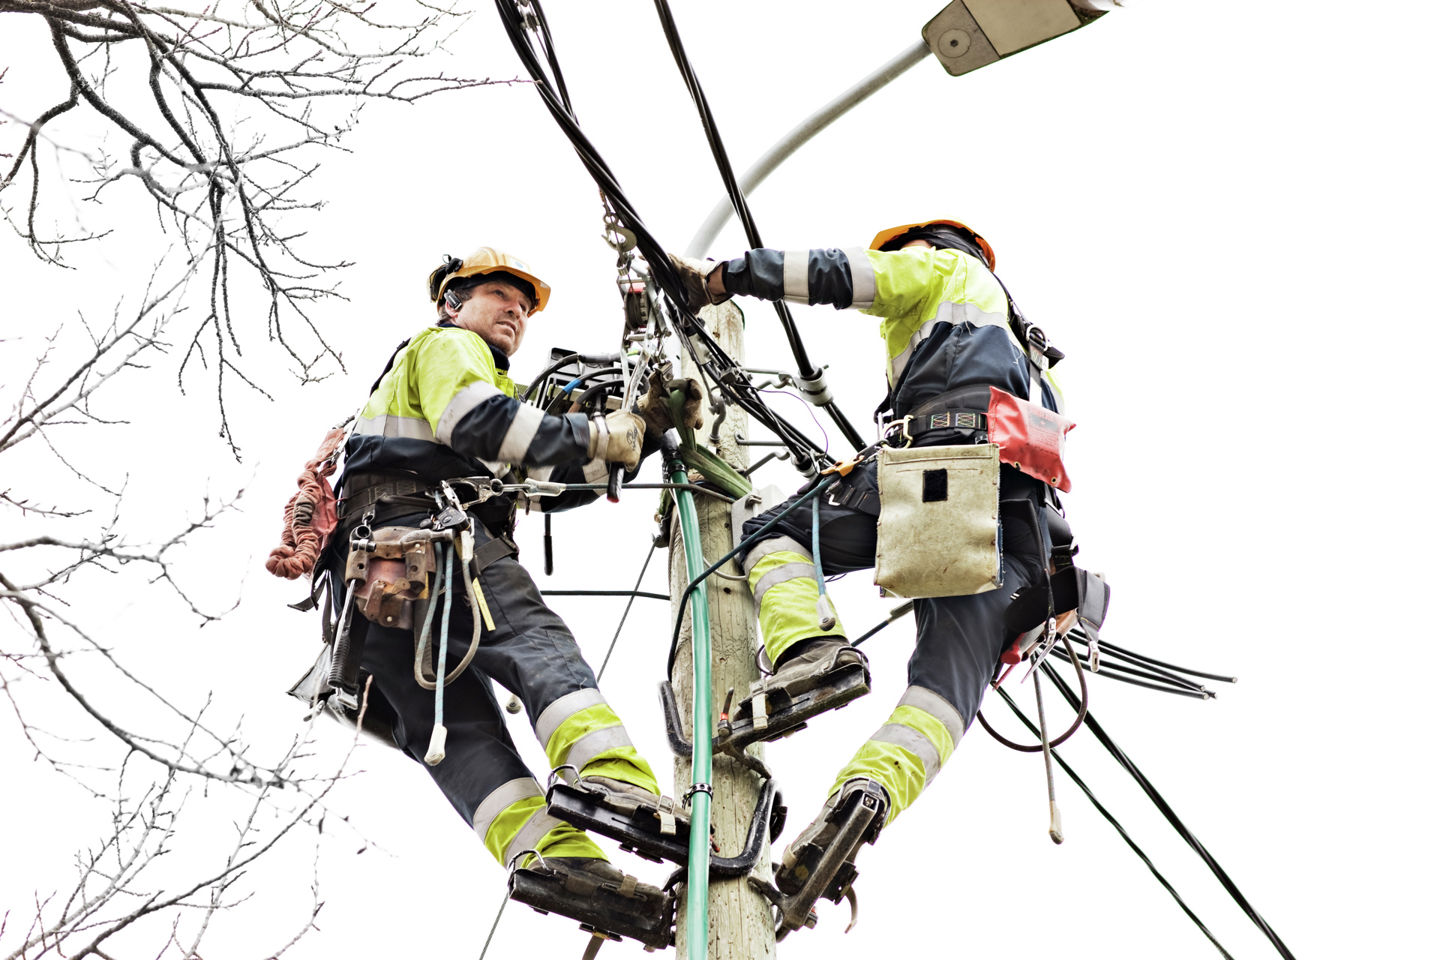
(522, 430)
(797, 276)
(461, 404)
(862, 279)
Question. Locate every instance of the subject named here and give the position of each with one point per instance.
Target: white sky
(1218, 210)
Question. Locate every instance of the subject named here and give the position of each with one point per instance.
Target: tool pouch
(1030, 437)
(938, 534)
(393, 567)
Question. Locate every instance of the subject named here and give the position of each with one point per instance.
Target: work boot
(821, 860)
(644, 823)
(813, 676)
(669, 818)
(601, 897)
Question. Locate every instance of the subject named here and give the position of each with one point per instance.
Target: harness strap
(360, 495)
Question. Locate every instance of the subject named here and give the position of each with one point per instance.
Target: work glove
(617, 438)
(655, 405)
(694, 276)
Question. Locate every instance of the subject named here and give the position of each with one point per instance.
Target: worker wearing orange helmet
(951, 334)
(444, 414)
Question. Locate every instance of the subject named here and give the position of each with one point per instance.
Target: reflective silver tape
(522, 430)
(385, 425)
(796, 280)
(530, 835)
(862, 278)
(783, 574)
(928, 701)
(914, 741)
(774, 545)
(462, 403)
(594, 743)
(563, 709)
(501, 799)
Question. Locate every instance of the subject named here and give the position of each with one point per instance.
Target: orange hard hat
(484, 261)
(885, 236)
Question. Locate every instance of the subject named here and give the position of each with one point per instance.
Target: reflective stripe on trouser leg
(512, 819)
(782, 578)
(905, 754)
(581, 730)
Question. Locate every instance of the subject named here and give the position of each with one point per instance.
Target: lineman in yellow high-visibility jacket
(945, 322)
(445, 408)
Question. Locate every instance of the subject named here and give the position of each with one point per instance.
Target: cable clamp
(695, 788)
(815, 389)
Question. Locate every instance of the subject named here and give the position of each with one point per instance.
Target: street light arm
(792, 141)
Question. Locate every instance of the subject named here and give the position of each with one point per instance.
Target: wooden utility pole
(741, 927)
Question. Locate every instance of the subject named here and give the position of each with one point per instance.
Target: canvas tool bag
(938, 534)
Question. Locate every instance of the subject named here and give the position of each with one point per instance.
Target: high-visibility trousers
(532, 653)
(958, 640)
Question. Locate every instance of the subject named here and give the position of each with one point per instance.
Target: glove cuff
(599, 437)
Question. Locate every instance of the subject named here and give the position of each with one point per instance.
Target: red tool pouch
(1031, 438)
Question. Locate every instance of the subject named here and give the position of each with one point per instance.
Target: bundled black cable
(728, 375)
(808, 371)
(1170, 815)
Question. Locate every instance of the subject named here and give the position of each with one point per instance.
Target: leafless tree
(216, 119)
(218, 116)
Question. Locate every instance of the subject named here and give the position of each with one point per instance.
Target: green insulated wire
(697, 887)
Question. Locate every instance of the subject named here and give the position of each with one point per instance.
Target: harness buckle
(901, 427)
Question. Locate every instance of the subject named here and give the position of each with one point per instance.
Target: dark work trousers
(958, 640)
(530, 652)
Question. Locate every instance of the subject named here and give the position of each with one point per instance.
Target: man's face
(497, 310)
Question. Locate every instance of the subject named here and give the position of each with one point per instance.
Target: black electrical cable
(1110, 648)
(1147, 672)
(1170, 815)
(730, 376)
(808, 371)
(1124, 835)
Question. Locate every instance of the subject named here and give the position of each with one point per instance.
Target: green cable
(697, 888)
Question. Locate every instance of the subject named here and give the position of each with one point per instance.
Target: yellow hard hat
(885, 236)
(484, 261)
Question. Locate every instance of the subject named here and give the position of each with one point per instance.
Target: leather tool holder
(393, 568)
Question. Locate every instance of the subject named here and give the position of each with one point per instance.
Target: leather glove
(694, 275)
(655, 405)
(617, 438)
